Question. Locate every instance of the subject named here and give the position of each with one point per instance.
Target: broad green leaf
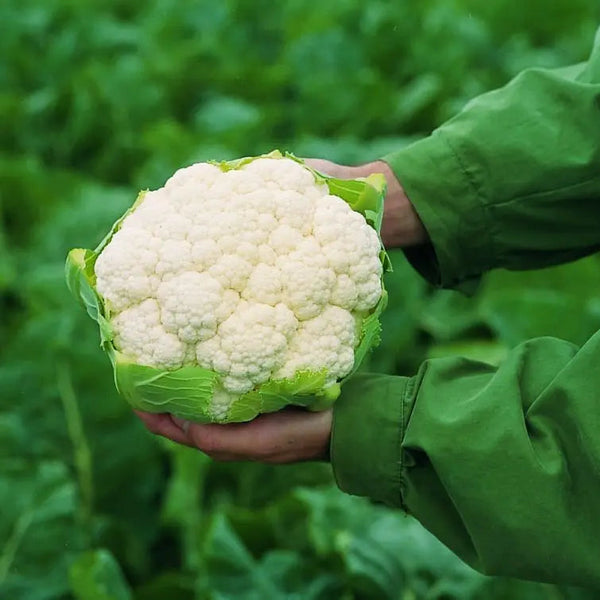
(7, 270)
(557, 301)
(183, 498)
(376, 552)
(96, 575)
(450, 315)
(233, 573)
(39, 503)
(167, 584)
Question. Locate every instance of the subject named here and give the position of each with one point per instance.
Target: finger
(285, 436)
(226, 442)
(176, 430)
(220, 442)
(162, 424)
(323, 166)
(331, 169)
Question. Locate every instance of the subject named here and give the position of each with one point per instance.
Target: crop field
(102, 98)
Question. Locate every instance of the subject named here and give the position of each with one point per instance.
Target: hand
(290, 435)
(401, 225)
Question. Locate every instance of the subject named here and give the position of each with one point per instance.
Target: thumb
(330, 168)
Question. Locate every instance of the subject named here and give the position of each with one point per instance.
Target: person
(502, 463)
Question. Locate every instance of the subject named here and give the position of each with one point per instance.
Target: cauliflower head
(238, 288)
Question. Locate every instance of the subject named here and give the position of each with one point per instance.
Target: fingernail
(181, 423)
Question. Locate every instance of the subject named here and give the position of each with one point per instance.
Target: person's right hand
(401, 225)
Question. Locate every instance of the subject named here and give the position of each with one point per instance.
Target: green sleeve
(501, 464)
(513, 180)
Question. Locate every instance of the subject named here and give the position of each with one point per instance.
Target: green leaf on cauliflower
(79, 272)
(185, 392)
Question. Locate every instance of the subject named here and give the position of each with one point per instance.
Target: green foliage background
(101, 98)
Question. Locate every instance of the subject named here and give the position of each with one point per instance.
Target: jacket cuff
(447, 202)
(368, 426)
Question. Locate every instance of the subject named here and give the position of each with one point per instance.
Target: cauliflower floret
(200, 176)
(241, 184)
(284, 239)
(282, 174)
(264, 285)
(172, 227)
(266, 255)
(210, 356)
(231, 185)
(221, 403)
(204, 253)
(249, 345)
(324, 342)
(125, 270)
(307, 279)
(345, 292)
(369, 292)
(296, 211)
(141, 336)
(232, 271)
(150, 210)
(191, 304)
(345, 236)
(352, 250)
(174, 256)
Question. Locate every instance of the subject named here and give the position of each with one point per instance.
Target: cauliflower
(238, 288)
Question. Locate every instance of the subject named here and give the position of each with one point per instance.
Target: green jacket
(501, 464)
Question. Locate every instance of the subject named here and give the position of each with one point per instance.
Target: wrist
(401, 225)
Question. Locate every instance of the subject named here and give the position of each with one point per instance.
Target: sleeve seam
(409, 391)
(401, 481)
(549, 192)
(478, 195)
(409, 399)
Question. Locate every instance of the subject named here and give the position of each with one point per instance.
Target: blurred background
(100, 98)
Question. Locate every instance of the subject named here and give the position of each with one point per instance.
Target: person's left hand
(290, 435)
